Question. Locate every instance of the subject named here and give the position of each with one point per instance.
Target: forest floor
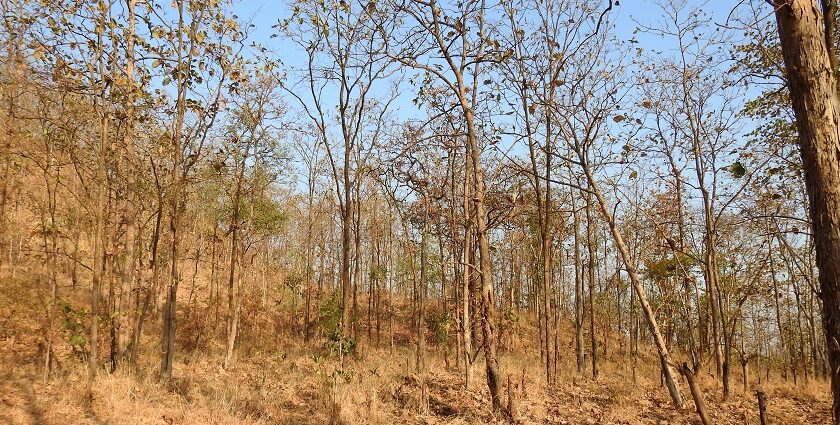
(276, 379)
(291, 386)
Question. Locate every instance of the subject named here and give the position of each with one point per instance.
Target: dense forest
(419, 211)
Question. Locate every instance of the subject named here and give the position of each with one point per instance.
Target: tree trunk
(234, 301)
(128, 212)
(813, 89)
(357, 256)
(778, 312)
(50, 234)
(421, 311)
(443, 298)
(149, 290)
(232, 287)
(113, 312)
(345, 271)
(745, 368)
(466, 326)
(590, 246)
(99, 216)
(667, 362)
(485, 261)
(213, 301)
(581, 358)
(696, 394)
(762, 407)
(175, 201)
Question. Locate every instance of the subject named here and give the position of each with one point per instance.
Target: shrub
(330, 322)
(439, 325)
(73, 326)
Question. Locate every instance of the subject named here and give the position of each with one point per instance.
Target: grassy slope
(276, 379)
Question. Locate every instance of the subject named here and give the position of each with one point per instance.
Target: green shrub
(73, 326)
(439, 325)
(330, 322)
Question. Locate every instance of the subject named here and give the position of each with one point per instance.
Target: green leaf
(737, 169)
(77, 341)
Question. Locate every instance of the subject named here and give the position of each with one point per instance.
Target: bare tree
(345, 43)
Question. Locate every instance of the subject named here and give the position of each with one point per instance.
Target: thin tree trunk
(578, 290)
(50, 247)
(150, 288)
(421, 311)
(98, 253)
(128, 213)
(175, 201)
(696, 394)
(487, 291)
(345, 269)
(466, 326)
(235, 253)
(667, 363)
(762, 407)
(778, 312)
(590, 246)
(357, 256)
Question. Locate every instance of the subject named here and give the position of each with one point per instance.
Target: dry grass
(293, 387)
(278, 380)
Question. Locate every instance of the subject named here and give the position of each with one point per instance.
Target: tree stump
(762, 407)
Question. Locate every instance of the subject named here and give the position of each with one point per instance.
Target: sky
(263, 14)
(627, 15)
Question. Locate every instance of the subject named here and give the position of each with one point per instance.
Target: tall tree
(345, 43)
(448, 43)
(811, 72)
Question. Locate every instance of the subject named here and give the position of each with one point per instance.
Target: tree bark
(578, 291)
(762, 407)
(466, 325)
(421, 311)
(813, 88)
(696, 394)
(590, 280)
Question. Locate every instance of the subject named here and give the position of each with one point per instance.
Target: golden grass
(276, 379)
(293, 386)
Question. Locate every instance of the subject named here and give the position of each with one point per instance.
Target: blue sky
(263, 14)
